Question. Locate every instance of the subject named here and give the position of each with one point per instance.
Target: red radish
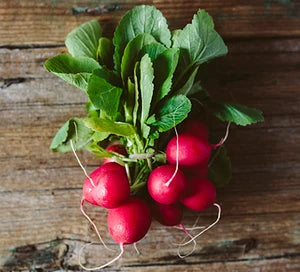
(196, 172)
(160, 187)
(89, 185)
(129, 222)
(201, 194)
(195, 127)
(112, 185)
(117, 148)
(192, 150)
(168, 215)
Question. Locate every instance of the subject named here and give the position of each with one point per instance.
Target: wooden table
(41, 227)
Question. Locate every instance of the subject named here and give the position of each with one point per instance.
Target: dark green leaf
(105, 52)
(233, 112)
(75, 71)
(104, 96)
(153, 50)
(83, 40)
(219, 172)
(186, 88)
(75, 130)
(174, 111)
(199, 40)
(110, 76)
(147, 87)
(105, 125)
(131, 53)
(164, 67)
(141, 19)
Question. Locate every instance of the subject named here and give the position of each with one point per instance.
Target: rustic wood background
(41, 227)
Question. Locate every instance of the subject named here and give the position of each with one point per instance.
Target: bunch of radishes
(181, 182)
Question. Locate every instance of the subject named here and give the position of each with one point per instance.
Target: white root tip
(224, 138)
(80, 164)
(206, 229)
(177, 158)
(136, 249)
(92, 223)
(194, 241)
(101, 266)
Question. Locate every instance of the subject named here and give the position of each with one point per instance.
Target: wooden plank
(47, 22)
(40, 190)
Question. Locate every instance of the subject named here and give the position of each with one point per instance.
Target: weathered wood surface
(41, 226)
(47, 22)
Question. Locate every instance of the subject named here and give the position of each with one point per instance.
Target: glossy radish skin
(192, 151)
(168, 215)
(112, 187)
(201, 194)
(158, 189)
(195, 127)
(129, 222)
(88, 187)
(117, 148)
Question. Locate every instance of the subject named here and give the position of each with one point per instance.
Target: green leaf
(83, 40)
(100, 136)
(233, 112)
(104, 96)
(99, 151)
(129, 103)
(105, 52)
(75, 71)
(199, 41)
(219, 172)
(75, 130)
(174, 35)
(137, 93)
(110, 76)
(164, 68)
(131, 53)
(105, 125)
(141, 19)
(153, 50)
(147, 87)
(186, 88)
(174, 111)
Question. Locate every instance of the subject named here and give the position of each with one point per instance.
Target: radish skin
(129, 222)
(167, 215)
(201, 194)
(192, 151)
(112, 187)
(161, 189)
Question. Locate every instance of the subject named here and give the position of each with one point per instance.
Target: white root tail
(92, 223)
(177, 158)
(194, 241)
(79, 162)
(224, 138)
(101, 266)
(206, 229)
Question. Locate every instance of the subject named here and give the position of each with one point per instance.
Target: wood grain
(41, 227)
(47, 22)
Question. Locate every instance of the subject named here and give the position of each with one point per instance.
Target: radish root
(206, 229)
(92, 223)
(102, 266)
(177, 159)
(79, 162)
(188, 235)
(224, 138)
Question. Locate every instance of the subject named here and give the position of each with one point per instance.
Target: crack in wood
(6, 82)
(102, 9)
